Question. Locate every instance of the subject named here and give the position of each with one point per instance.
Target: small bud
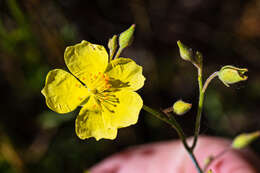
(125, 37)
(230, 74)
(112, 45)
(186, 53)
(243, 140)
(180, 107)
(210, 171)
(208, 160)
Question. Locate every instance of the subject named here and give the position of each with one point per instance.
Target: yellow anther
(106, 77)
(108, 86)
(79, 86)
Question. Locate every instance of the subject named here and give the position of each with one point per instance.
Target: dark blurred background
(34, 34)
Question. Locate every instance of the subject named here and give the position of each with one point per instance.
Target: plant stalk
(173, 123)
(118, 53)
(212, 76)
(199, 113)
(169, 120)
(194, 160)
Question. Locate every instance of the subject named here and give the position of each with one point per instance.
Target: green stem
(200, 79)
(212, 76)
(118, 52)
(169, 120)
(199, 113)
(194, 160)
(202, 89)
(111, 54)
(172, 121)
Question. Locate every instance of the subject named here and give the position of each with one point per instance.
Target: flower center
(98, 83)
(101, 89)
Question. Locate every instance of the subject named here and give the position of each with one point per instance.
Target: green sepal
(112, 45)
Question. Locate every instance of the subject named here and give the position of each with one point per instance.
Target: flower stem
(202, 89)
(194, 160)
(199, 113)
(172, 121)
(212, 76)
(169, 120)
(118, 53)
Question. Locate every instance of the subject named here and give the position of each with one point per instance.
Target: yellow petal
(85, 59)
(91, 122)
(126, 111)
(63, 92)
(126, 71)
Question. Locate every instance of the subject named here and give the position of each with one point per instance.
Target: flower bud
(230, 74)
(208, 160)
(125, 37)
(180, 107)
(243, 140)
(186, 53)
(112, 45)
(210, 171)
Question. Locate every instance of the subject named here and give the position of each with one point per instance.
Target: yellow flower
(105, 90)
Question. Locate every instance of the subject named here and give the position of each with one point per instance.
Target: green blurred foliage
(5, 166)
(33, 37)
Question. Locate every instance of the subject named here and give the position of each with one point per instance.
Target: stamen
(110, 110)
(100, 88)
(106, 77)
(106, 101)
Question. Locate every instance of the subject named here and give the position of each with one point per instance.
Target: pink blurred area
(171, 157)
